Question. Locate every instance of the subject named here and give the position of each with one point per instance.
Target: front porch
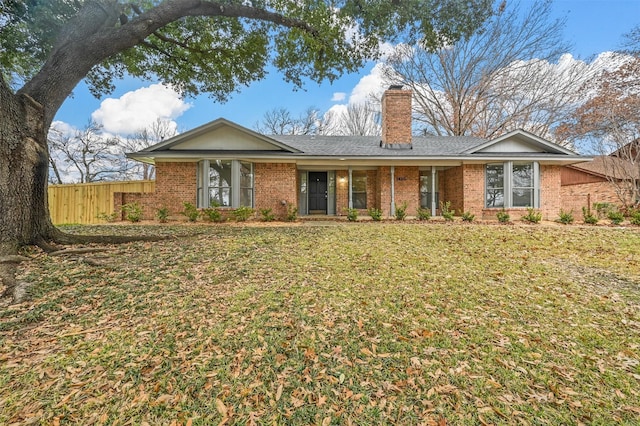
(326, 192)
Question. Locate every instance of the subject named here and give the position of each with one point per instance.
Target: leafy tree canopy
(217, 47)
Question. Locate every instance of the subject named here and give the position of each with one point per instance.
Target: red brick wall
(473, 188)
(396, 116)
(550, 193)
(383, 193)
(342, 192)
(452, 181)
(574, 197)
(175, 183)
(407, 188)
(275, 183)
(146, 200)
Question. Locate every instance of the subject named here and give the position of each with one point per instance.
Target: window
(426, 194)
(359, 189)
(227, 183)
(246, 184)
(495, 185)
(522, 189)
(512, 184)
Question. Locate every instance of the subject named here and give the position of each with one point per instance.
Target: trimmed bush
(376, 214)
(401, 211)
(532, 216)
(566, 218)
(503, 216)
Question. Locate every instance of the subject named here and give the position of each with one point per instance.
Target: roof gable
(221, 135)
(520, 141)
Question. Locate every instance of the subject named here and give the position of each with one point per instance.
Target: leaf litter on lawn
(359, 324)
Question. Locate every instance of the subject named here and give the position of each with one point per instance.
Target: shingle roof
(614, 167)
(365, 146)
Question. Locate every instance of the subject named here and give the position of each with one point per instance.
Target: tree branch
(95, 35)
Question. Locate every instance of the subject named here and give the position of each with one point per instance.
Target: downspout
(393, 191)
(350, 187)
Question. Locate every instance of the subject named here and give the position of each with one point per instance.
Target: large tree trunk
(24, 165)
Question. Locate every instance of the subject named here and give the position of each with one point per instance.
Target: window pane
(359, 200)
(522, 197)
(359, 181)
(523, 175)
(220, 196)
(495, 176)
(425, 199)
(495, 198)
(495, 185)
(219, 173)
(246, 197)
(246, 175)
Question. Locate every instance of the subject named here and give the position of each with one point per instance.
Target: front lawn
(363, 323)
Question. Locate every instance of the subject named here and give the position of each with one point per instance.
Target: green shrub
(376, 214)
(445, 210)
(190, 211)
(132, 212)
(241, 214)
(603, 209)
(634, 217)
(423, 214)
(267, 215)
(401, 211)
(588, 217)
(292, 213)
(532, 216)
(503, 216)
(468, 217)
(162, 214)
(211, 215)
(111, 217)
(352, 215)
(616, 217)
(566, 218)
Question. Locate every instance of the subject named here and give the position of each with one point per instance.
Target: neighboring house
(225, 164)
(606, 179)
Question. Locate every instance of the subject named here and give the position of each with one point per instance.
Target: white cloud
(60, 128)
(139, 109)
(338, 97)
(371, 85)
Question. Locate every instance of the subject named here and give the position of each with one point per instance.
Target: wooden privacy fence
(83, 202)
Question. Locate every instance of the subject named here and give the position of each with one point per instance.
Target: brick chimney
(396, 118)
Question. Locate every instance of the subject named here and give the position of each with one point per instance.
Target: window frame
(235, 188)
(362, 175)
(508, 184)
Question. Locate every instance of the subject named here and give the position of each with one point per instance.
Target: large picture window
(512, 184)
(227, 183)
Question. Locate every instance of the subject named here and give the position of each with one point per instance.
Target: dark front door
(317, 192)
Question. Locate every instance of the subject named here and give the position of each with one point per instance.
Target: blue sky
(593, 27)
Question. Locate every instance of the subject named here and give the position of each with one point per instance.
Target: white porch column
(393, 191)
(434, 205)
(350, 187)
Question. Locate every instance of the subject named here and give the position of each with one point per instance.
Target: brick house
(228, 165)
(605, 179)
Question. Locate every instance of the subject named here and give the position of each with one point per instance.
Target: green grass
(363, 323)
